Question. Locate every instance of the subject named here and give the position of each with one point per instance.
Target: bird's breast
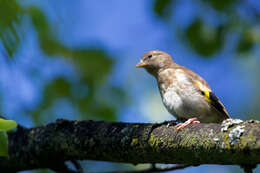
(172, 101)
(179, 96)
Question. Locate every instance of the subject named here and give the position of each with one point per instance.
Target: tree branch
(155, 169)
(233, 142)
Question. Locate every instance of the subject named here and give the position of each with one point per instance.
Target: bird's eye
(150, 56)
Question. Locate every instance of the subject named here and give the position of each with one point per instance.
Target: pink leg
(188, 122)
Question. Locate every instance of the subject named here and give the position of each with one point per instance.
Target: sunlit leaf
(6, 125)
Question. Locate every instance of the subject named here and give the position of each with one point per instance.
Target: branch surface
(232, 142)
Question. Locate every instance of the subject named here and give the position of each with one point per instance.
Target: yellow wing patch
(207, 96)
(204, 90)
(211, 98)
(215, 102)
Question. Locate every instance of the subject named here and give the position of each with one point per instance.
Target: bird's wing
(215, 102)
(205, 90)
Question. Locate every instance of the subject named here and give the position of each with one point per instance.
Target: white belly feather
(181, 98)
(172, 101)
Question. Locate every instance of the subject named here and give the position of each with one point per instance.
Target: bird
(185, 94)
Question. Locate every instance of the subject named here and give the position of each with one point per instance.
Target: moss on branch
(233, 142)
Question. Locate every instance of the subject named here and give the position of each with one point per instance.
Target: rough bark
(233, 142)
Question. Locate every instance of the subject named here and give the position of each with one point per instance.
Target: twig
(77, 166)
(155, 169)
(248, 168)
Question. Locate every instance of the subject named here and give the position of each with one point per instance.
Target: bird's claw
(188, 122)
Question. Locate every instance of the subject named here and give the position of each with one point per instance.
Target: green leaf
(3, 143)
(204, 39)
(11, 14)
(221, 5)
(6, 125)
(162, 8)
(246, 42)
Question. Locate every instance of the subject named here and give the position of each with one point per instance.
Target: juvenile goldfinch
(184, 93)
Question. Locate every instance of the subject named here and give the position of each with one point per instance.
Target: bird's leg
(188, 122)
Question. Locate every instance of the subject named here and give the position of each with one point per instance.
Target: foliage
(207, 39)
(5, 125)
(10, 22)
(91, 64)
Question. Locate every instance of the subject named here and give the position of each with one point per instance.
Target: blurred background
(76, 60)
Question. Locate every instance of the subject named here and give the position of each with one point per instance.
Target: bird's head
(155, 60)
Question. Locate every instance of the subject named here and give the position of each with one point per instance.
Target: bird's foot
(188, 122)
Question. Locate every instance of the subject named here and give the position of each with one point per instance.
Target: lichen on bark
(233, 142)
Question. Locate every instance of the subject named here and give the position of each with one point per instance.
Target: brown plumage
(184, 93)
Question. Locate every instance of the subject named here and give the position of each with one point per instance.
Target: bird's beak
(140, 64)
